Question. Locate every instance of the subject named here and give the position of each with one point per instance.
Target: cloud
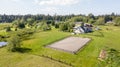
(49, 9)
(56, 2)
(15, 0)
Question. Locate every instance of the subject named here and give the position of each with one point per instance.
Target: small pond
(3, 44)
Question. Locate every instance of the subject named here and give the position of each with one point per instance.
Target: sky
(59, 7)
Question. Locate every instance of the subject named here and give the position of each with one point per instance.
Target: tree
(112, 14)
(67, 26)
(15, 23)
(91, 21)
(30, 21)
(14, 43)
(78, 19)
(91, 16)
(19, 23)
(44, 26)
(52, 23)
(63, 27)
(57, 25)
(100, 21)
(70, 27)
(24, 34)
(117, 21)
(107, 18)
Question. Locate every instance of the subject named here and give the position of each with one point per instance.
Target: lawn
(15, 59)
(8, 59)
(86, 57)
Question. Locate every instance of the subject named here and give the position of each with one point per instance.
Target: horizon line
(65, 14)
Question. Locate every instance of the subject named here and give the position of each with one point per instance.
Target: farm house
(84, 28)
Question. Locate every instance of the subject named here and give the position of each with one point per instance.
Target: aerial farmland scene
(59, 33)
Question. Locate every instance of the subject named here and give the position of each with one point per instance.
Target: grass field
(86, 57)
(25, 60)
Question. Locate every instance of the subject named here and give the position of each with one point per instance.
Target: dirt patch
(70, 44)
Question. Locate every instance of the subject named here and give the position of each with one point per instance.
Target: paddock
(70, 44)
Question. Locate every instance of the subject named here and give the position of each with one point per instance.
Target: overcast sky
(61, 7)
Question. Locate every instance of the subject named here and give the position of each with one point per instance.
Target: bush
(21, 25)
(68, 27)
(91, 21)
(117, 21)
(112, 58)
(15, 29)
(100, 21)
(8, 29)
(44, 26)
(25, 33)
(14, 43)
(63, 27)
(3, 37)
(18, 24)
(57, 25)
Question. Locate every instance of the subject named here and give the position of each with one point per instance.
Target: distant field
(86, 57)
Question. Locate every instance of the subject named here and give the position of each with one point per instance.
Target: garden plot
(71, 44)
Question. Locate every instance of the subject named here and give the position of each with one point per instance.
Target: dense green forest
(89, 18)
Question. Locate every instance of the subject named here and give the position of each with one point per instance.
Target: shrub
(66, 27)
(25, 33)
(63, 27)
(8, 29)
(44, 26)
(112, 58)
(117, 21)
(100, 21)
(14, 43)
(56, 25)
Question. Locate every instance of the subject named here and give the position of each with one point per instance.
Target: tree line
(63, 22)
(11, 18)
(39, 17)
